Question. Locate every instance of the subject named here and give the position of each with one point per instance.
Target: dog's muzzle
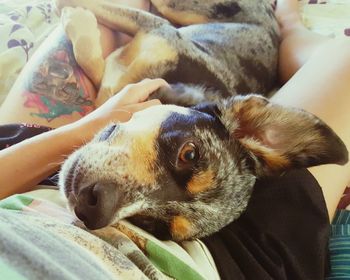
(96, 204)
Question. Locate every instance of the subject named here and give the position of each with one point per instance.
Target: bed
(126, 250)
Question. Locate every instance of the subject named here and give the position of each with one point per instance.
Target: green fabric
(16, 202)
(339, 246)
(169, 264)
(7, 272)
(4, 9)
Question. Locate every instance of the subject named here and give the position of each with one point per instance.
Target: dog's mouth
(159, 228)
(97, 204)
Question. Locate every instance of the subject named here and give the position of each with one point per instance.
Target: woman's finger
(141, 91)
(143, 105)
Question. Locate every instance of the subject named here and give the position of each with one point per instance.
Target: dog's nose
(96, 205)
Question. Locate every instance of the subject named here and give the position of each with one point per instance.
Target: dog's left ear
(280, 138)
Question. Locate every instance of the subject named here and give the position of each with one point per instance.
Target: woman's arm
(25, 164)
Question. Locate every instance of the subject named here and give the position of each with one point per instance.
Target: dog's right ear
(280, 138)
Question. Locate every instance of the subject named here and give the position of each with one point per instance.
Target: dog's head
(188, 172)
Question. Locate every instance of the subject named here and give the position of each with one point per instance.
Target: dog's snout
(96, 204)
(107, 132)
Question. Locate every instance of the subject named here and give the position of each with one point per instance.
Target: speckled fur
(232, 47)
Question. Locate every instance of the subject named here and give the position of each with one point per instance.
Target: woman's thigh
(322, 87)
(51, 90)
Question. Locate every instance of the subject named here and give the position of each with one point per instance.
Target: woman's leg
(52, 90)
(322, 87)
(298, 43)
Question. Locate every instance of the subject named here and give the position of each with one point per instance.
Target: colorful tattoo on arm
(56, 88)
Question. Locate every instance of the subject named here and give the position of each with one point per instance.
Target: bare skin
(298, 43)
(52, 90)
(318, 69)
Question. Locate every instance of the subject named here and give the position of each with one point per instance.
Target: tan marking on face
(201, 182)
(138, 138)
(143, 157)
(180, 228)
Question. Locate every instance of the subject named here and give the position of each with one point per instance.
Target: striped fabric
(339, 246)
(45, 242)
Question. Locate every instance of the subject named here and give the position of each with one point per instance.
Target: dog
(186, 172)
(221, 49)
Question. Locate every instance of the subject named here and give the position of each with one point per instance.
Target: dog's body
(190, 171)
(231, 48)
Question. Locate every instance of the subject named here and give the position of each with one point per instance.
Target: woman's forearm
(26, 164)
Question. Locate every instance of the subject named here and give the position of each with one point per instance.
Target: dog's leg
(146, 56)
(195, 12)
(117, 17)
(80, 26)
(186, 95)
(183, 12)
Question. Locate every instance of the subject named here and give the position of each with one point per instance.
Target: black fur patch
(200, 47)
(258, 72)
(242, 87)
(208, 108)
(190, 71)
(107, 132)
(225, 10)
(157, 227)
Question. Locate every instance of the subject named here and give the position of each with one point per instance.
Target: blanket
(40, 239)
(24, 25)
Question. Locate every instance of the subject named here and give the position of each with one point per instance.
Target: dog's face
(187, 172)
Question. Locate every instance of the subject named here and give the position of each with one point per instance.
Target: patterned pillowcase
(23, 26)
(327, 17)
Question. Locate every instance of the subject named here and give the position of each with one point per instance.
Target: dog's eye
(188, 153)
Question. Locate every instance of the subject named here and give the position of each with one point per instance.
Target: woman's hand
(120, 107)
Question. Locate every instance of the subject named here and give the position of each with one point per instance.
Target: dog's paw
(78, 21)
(80, 26)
